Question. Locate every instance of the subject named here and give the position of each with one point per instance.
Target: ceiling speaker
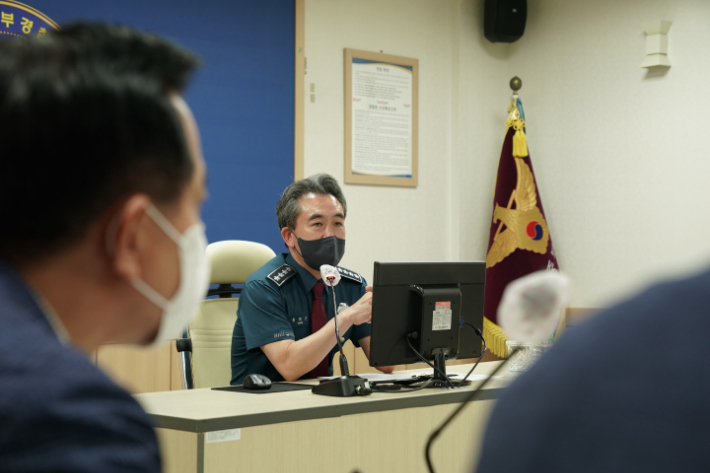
(504, 20)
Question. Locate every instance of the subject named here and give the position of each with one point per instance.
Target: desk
(300, 431)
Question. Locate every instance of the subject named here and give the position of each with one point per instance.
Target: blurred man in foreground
(101, 183)
(626, 391)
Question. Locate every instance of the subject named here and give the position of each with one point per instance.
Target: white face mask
(194, 278)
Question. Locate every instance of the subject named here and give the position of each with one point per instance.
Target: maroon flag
(519, 242)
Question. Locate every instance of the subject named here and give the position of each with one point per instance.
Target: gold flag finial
(520, 143)
(516, 84)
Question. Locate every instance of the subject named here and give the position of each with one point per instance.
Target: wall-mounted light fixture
(657, 44)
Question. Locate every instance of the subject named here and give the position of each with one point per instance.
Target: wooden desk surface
(205, 410)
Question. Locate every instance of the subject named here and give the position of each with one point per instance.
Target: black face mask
(327, 250)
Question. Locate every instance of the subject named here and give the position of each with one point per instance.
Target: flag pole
(516, 84)
(516, 118)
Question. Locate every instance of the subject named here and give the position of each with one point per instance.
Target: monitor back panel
(396, 311)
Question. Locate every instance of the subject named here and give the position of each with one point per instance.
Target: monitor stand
(440, 378)
(439, 381)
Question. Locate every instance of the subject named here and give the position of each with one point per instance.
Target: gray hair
(288, 209)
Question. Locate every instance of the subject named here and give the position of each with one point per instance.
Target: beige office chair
(209, 339)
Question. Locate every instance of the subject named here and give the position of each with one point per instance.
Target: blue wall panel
(242, 97)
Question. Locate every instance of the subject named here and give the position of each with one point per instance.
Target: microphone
(331, 277)
(530, 310)
(531, 307)
(345, 385)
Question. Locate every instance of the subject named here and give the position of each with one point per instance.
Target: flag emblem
(521, 225)
(535, 230)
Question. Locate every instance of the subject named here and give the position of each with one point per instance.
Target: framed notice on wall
(381, 116)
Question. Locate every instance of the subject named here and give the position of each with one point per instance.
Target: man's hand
(361, 311)
(365, 345)
(293, 359)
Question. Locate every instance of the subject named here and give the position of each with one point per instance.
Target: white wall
(483, 99)
(385, 223)
(617, 151)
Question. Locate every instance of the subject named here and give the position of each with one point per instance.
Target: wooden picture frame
(381, 119)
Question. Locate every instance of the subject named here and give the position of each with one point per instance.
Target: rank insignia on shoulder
(352, 275)
(282, 274)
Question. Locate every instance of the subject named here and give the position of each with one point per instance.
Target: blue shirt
(58, 412)
(628, 390)
(275, 305)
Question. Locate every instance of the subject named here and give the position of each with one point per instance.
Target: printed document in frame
(381, 117)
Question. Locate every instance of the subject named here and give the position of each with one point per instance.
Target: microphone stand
(343, 361)
(457, 411)
(345, 385)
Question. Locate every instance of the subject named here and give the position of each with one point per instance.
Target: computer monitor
(434, 306)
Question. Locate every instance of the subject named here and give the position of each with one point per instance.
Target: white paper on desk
(380, 377)
(391, 378)
(387, 378)
(481, 377)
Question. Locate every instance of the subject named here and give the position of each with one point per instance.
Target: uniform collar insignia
(352, 275)
(282, 274)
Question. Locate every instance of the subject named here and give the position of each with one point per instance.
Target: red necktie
(318, 320)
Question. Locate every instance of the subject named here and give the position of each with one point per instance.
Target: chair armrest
(183, 344)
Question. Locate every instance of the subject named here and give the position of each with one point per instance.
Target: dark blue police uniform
(275, 304)
(58, 412)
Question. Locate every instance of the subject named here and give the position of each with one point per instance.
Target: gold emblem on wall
(18, 20)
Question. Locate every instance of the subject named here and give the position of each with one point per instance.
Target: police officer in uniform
(285, 328)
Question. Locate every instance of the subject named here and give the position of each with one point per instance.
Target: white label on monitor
(442, 316)
(223, 435)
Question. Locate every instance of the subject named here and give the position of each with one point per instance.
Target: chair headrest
(234, 260)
